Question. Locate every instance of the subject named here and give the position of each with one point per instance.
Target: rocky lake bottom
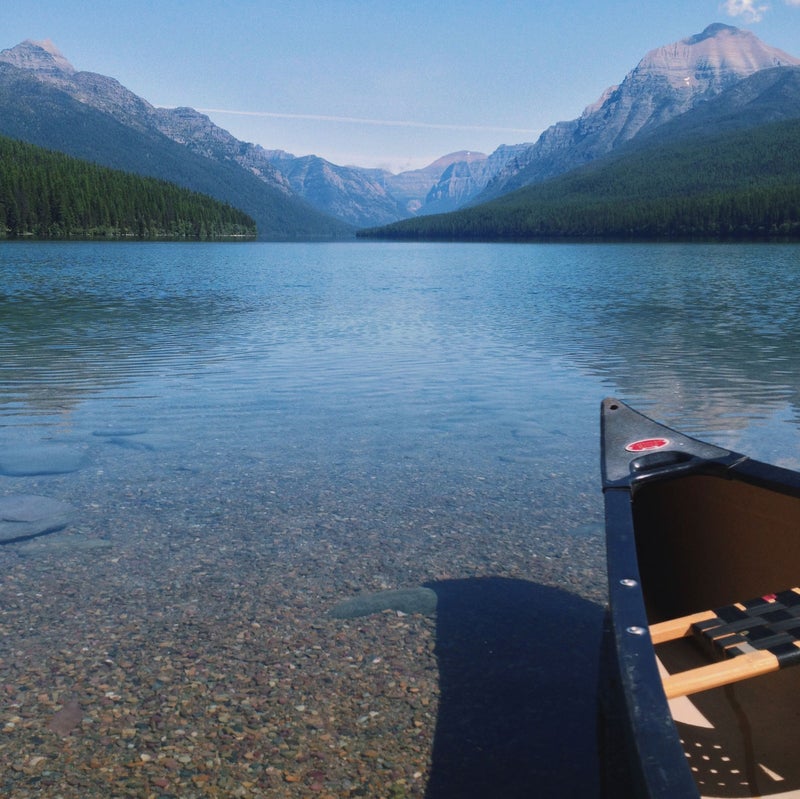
(196, 633)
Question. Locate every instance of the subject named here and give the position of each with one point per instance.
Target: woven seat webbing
(770, 623)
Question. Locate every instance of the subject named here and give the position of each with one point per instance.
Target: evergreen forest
(47, 195)
(738, 186)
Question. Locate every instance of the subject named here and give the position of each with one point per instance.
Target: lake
(258, 467)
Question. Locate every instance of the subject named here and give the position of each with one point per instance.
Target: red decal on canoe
(647, 444)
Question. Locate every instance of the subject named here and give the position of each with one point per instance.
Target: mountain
(667, 82)
(730, 167)
(200, 135)
(770, 95)
(45, 101)
(411, 188)
(354, 195)
(50, 195)
(466, 178)
(368, 197)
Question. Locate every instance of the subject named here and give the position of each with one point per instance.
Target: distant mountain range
(729, 168)
(45, 101)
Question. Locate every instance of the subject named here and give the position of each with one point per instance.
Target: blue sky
(378, 83)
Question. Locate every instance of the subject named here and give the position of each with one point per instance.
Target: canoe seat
(744, 639)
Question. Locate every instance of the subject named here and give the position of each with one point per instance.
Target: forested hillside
(741, 184)
(48, 117)
(49, 195)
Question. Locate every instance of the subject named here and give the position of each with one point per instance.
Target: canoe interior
(704, 542)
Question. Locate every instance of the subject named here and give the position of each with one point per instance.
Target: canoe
(697, 695)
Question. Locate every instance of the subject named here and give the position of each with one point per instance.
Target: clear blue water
(382, 365)
(380, 415)
(467, 361)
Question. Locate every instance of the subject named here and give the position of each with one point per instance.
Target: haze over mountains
(45, 101)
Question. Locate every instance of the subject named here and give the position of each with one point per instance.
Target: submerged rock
(67, 719)
(127, 443)
(119, 432)
(27, 515)
(38, 459)
(407, 600)
(60, 542)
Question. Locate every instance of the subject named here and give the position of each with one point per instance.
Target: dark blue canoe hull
(690, 526)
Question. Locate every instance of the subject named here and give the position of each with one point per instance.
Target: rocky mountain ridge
(465, 179)
(349, 193)
(96, 119)
(183, 125)
(42, 57)
(355, 195)
(724, 170)
(666, 83)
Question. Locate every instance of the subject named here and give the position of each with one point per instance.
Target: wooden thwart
(678, 628)
(713, 675)
(718, 674)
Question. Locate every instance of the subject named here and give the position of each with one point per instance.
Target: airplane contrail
(366, 121)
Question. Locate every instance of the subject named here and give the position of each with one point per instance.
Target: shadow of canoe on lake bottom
(518, 667)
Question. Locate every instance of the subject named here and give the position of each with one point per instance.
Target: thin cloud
(388, 123)
(749, 9)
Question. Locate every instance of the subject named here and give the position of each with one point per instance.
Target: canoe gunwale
(631, 691)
